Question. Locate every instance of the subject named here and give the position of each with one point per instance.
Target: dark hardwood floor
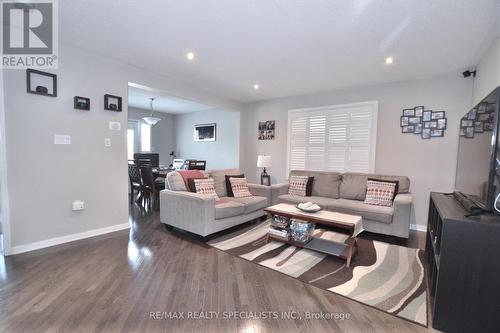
(112, 283)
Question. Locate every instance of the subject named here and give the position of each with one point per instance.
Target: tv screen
(475, 176)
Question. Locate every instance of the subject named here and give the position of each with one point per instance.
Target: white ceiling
(288, 47)
(139, 97)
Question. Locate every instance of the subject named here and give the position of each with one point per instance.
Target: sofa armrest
(186, 210)
(277, 190)
(260, 190)
(402, 215)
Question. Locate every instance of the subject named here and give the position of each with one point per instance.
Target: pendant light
(151, 120)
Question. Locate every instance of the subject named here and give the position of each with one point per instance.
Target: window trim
(373, 139)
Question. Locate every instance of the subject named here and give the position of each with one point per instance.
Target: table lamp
(264, 161)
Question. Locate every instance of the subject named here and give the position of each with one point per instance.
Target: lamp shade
(264, 161)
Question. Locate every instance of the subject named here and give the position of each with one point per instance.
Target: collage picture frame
(426, 123)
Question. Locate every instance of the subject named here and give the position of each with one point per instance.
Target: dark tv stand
(463, 267)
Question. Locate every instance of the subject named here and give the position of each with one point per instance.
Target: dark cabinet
(463, 267)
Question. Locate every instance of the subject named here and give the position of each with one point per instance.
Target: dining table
(160, 172)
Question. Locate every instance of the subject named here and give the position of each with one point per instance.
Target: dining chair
(135, 180)
(149, 187)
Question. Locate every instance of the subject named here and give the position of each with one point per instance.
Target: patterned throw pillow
(240, 187)
(206, 186)
(228, 183)
(298, 185)
(380, 193)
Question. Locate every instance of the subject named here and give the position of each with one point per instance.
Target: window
(138, 137)
(145, 137)
(338, 138)
(130, 143)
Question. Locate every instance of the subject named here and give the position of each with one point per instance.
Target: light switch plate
(62, 139)
(107, 142)
(115, 126)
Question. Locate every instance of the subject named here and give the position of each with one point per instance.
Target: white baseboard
(65, 239)
(418, 227)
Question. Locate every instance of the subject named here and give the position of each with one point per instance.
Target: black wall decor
(41, 83)
(81, 103)
(112, 103)
(478, 120)
(426, 123)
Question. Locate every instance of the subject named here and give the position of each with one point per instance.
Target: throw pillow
(191, 184)
(396, 190)
(239, 186)
(301, 186)
(380, 193)
(228, 183)
(206, 186)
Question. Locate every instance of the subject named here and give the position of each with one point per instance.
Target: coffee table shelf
(341, 250)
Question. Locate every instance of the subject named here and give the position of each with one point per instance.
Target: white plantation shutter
(333, 138)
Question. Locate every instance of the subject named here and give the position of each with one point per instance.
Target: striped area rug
(388, 277)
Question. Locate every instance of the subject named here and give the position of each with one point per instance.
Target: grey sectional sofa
(199, 214)
(346, 192)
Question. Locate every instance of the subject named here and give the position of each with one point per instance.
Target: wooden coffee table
(352, 223)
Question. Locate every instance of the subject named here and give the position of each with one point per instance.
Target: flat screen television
(478, 163)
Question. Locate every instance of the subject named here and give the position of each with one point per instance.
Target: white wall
(162, 134)
(220, 154)
(44, 178)
(430, 164)
(488, 72)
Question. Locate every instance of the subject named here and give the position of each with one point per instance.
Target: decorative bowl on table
(308, 207)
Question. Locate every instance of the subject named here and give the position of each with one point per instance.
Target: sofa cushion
(370, 212)
(293, 199)
(251, 203)
(175, 182)
(325, 184)
(353, 185)
(226, 208)
(219, 177)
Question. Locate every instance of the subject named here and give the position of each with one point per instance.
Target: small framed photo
(483, 117)
(408, 129)
(418, 129)
(482, 108)
(409, 112)
(466, 123)
(426, 116)
(437, 115)
(414, 120)
(41, 83)
(426, 133)
(81, 103)
(205, 132)
(462, 131)
(441, 124)
(469, 132)
(112, 103)
(435, 133)
(488, 127)
(472, 114)
(431, 124)
(478, 127)
(405, 121)
(419, 111)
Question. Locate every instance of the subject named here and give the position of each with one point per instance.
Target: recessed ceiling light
(256, 86)
(389, 60)
(190, 55)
